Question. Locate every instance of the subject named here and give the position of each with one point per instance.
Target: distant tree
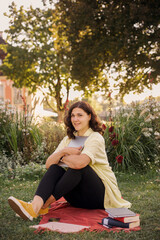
(123, 35)
(38, 53)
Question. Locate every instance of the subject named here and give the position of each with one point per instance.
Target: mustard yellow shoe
(23, 209)
(41, 211)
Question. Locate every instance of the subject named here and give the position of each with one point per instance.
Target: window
(17, 95)
(1, 92)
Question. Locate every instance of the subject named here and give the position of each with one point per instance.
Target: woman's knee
(79, 170)
(55, 167)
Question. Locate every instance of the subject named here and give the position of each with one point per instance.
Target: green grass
(141, 190)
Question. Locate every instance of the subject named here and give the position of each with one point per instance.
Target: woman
(88, 181)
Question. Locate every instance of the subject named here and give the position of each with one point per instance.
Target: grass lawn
(141, 190)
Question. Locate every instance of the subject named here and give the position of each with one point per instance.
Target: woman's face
(80, 120)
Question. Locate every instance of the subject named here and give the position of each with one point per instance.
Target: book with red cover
(128, 219)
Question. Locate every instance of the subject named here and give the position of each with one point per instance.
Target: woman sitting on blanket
(88, 181)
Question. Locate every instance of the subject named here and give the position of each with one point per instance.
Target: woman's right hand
(55, 157)
(72, 150)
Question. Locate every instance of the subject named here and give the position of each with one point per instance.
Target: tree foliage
(79, 41)
(121, 35)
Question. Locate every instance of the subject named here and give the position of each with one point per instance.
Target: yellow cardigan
(94, 147)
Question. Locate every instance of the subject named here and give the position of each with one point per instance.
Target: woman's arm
(76, 161)
(56, 156)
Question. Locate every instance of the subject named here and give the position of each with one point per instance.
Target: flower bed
(133, 137)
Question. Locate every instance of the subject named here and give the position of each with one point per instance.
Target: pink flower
(104, 126)
(115, 142)
(119, 158)
(111, 129)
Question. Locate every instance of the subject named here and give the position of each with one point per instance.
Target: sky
(4, 23)
(4, 8)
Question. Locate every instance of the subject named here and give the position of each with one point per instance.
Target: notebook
(119, 212)
(77, 142)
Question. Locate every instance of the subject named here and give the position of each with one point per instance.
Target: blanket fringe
(41, 230)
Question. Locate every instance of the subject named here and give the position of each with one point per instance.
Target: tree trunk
(60, 116)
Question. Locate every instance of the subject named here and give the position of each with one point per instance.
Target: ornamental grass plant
(133, 137)
(18, 133)
(20, 140)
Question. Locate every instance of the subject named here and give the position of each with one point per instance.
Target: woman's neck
(81, 133)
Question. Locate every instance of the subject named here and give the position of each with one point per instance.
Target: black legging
(80, 187)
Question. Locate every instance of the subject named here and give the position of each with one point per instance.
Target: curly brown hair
(94, 123)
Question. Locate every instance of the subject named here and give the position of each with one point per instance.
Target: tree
(121, 35)
(38, 53)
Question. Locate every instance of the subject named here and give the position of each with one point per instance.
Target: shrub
(52, 133)
(30, 171)
(22, 141)
(132, 142)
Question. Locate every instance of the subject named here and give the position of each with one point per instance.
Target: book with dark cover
(119, 212)
(110, 222)
(128, 219)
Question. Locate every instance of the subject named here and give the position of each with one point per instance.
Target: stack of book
(121, 217)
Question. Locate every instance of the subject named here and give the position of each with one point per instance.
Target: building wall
(34, 102)
(12, 95)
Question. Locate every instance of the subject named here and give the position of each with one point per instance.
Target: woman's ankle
(49, 201)
(37, 204)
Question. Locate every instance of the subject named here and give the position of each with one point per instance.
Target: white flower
(125, 114)
(152, 117)
(146, 134)
(7, 113)
(150, 129)
(156, 133)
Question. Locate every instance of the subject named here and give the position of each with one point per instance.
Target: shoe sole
(19, 209)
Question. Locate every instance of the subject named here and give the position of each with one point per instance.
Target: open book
(77, 142)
